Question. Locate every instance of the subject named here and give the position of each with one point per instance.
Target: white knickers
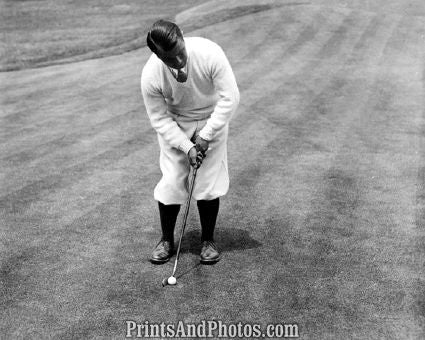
(212, 179)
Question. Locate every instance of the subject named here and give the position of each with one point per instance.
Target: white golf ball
(172, 280)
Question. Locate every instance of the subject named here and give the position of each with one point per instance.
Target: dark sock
(168, 216)
(208, 211)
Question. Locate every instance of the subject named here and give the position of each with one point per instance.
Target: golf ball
(172, 280)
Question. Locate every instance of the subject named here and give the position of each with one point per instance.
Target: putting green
(324, 222)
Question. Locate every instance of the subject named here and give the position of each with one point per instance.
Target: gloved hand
(195, 157)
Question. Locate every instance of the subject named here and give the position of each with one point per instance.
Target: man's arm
(161, 121)
(227, 89)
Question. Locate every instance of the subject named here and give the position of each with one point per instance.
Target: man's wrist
(186, 146)
(205, 135)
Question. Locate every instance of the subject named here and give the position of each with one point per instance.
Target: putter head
(171, 281)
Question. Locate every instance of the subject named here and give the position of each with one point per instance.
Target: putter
(172, 279)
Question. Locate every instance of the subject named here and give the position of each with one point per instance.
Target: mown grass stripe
(307, 42)
(20, 200)
(300, 126)
(117, 128)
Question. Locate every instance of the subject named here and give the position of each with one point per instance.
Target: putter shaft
(186, 212)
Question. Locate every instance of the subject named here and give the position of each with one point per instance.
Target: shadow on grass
(228, 240)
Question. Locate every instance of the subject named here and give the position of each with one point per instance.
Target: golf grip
(185, 218)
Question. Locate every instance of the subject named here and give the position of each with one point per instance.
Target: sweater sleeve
(160, 119)
(227, 89)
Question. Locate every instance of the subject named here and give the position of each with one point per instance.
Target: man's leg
(168, 216)
(165, 248)
(208, 211)
(170, 192)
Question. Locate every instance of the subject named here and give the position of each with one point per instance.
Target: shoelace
(210, 244)
(164, 243)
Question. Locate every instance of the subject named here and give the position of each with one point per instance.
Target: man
(190, 94)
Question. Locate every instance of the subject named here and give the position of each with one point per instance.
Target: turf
(40, 33)
(324, 222)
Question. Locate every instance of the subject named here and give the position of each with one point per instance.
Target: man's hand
(202, 145)
(195, 157)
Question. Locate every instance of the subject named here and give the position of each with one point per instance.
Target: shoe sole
(209, 262)
(159, 261)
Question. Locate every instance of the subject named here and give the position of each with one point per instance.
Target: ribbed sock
(208, 211)
(168, 216)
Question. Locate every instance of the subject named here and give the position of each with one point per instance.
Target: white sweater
(210, 91)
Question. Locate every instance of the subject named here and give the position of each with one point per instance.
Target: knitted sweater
(210, 92)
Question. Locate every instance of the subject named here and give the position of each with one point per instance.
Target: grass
(38, 33)
(44, 33)
(322, 227)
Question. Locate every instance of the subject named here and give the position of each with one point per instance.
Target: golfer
(190, 94)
